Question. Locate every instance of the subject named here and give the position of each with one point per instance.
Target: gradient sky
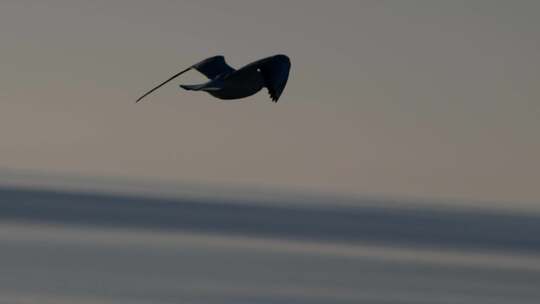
(432, 99)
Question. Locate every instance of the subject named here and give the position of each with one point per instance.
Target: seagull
(227, 83)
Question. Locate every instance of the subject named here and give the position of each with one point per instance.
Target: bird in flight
(227, 83)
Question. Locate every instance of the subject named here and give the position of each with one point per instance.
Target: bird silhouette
(227, 83)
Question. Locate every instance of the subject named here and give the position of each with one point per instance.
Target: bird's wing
(213, 67)
(275, 71)
(210, 67)
(162, 84)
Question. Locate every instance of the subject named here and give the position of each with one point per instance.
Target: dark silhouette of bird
(227, 83)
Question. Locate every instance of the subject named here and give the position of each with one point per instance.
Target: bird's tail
(199, 87)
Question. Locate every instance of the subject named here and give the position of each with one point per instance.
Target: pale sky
(430, 99)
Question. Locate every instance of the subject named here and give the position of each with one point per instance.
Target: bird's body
(236, 85)
(227, 83)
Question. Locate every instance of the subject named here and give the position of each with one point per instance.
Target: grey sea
(86, 247)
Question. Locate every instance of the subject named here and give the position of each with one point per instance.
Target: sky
(426, 99)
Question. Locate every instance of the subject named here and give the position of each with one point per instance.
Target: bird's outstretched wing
(213, 67)
(210, 67)
(162, 84)
(275, 71)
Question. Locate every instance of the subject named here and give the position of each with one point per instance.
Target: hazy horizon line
(244, 193)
